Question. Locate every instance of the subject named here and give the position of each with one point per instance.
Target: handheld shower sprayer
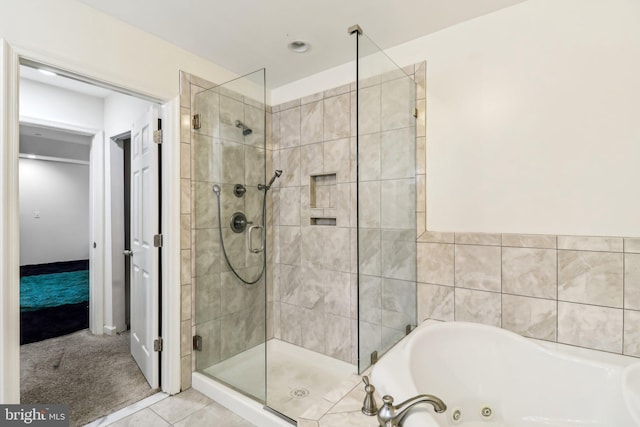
(276, 174)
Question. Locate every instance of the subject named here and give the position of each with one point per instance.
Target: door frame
(10, 58)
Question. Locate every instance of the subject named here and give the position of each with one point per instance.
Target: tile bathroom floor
(187, 409)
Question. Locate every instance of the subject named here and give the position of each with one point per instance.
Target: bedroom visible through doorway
(75, 221)
(54, 232)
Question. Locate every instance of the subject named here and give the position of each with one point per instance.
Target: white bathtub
(524, 382)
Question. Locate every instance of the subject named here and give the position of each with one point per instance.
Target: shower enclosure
(303, 231)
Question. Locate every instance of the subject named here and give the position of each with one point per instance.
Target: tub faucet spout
(393, 416)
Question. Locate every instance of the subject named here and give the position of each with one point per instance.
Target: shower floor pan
(297, 378)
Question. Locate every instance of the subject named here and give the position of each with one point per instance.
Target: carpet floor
(94, 375)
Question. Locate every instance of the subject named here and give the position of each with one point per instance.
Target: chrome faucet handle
(387, 414)
(369, 407)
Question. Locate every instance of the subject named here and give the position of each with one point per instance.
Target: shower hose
(224, 251)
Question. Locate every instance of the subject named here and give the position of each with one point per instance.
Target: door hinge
(197, 343)
(157, 136)
(415, 113)
(157, 344)
(158, 240)
(196, 121)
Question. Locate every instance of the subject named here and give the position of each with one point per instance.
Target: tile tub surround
(578, 290)
(342, 407)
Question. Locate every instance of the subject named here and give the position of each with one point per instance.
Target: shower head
(246, 130)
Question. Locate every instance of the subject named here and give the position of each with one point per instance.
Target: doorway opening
(54, 232)
(91, 366)
(123, 146)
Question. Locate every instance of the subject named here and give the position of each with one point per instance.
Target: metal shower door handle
(250, 240)
(127, 252)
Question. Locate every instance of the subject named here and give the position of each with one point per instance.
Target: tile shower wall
(314, 299)
(583, 291)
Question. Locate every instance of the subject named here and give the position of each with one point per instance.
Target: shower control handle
(250, 240)
(239, 222)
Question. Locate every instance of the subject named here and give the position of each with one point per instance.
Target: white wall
(532, 118)
(52, 104)
(42, 101)
(60, 193)
(120, 111)
(77, 37)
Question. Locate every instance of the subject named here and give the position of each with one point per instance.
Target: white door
(144, 261)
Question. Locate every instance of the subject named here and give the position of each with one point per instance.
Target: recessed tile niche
(322, 199)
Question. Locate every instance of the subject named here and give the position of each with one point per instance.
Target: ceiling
(246, 35)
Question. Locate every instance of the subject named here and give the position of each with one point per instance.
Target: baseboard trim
(110, 330)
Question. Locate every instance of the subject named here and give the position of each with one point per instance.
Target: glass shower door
(386, 146)
(229, 220)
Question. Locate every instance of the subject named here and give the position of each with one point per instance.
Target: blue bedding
(52, 290)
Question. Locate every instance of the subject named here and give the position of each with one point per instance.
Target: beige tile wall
(582, 291)
(314, 295)
(313, 275)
